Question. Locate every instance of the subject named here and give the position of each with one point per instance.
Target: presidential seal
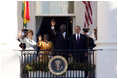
(57, 65)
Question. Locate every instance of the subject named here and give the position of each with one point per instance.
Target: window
(55, 7)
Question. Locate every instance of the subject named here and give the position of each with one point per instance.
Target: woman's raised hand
(40, 38)
(19, 34)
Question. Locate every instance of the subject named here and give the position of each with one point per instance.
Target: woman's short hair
(30, 31)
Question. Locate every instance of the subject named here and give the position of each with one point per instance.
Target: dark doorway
(46, 25)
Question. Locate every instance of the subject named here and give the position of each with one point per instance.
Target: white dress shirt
(64, 34)
(52, 28)
(77, 36)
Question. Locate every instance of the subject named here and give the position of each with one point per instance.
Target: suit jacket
(81, 45)
(90, 43)
(52, 35)
(61, 42)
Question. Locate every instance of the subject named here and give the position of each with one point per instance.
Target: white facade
(80, 15)
(38, 9)
(104, 17)
(106, 60)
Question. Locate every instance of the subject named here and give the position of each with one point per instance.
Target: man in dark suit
(90, 45)
(60, 38)
(78, 42)
(52, 32)
(90, 41)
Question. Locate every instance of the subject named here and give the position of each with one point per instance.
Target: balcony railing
(34, 64)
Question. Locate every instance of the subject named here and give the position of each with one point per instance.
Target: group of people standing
(64, 44)
(59, 40)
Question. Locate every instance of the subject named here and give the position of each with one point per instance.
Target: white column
(9, 63)
(106, 60)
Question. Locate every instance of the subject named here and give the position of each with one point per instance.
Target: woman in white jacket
(30, 45)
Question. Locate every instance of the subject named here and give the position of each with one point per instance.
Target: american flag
(88, 14)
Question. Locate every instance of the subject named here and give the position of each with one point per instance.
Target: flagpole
(23, 26)
(22, 37)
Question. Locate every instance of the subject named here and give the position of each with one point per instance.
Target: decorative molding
(56, 15)
(106, 42)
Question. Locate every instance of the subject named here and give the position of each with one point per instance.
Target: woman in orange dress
(44, 45)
